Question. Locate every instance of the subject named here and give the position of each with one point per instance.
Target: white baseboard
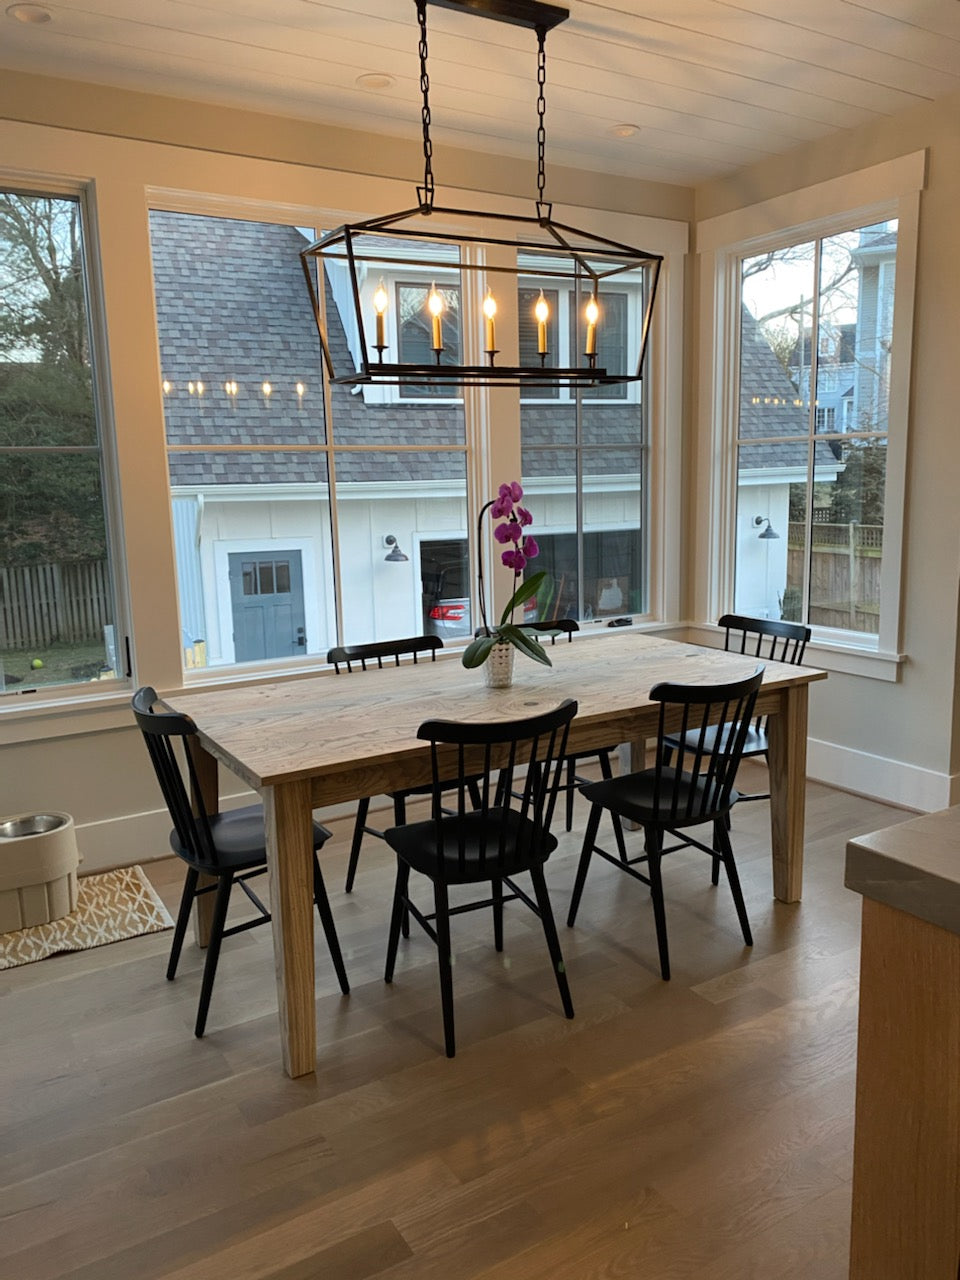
(881, 778)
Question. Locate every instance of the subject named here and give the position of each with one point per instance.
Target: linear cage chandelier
(360, 257)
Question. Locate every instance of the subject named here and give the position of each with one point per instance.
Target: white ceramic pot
(498, 668)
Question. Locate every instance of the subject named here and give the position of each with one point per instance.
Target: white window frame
(884, 191)
(32, 184)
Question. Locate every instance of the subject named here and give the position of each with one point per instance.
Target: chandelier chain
(541, 111)
(427, 191)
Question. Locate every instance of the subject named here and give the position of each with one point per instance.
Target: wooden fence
(845, 564)
(43, 603)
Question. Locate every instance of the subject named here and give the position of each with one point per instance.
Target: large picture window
(57, 621)
(816, 336)
(284, 499)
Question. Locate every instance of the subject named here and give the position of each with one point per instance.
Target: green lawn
(62, 664)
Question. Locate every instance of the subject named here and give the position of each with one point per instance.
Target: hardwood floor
(697, 1128)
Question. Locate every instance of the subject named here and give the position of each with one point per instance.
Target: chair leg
(445, 961)
(396, 915)
(571, 786)
(497, 888)
(362, 810)
(329, 928)
(715, 869)
(654, 841)
(399, 820)
(723, 840)
(217, 923)
(589, 840)
(606, 771)
(183, 919)
(550, 933)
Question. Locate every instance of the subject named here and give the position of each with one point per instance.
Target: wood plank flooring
(697, 1128)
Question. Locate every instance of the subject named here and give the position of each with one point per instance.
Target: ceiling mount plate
(519, 13)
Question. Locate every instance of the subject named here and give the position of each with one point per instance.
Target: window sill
(844, 659)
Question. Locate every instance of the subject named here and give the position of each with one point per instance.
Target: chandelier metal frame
(550, 250)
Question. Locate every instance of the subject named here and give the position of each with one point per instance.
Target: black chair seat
(683, 800)
(239, 841)
(755, 743)
(468, 853)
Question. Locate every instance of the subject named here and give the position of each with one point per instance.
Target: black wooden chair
(771, 641)
(518, 767)
(667, 800)
(228, 846)
(360, 657)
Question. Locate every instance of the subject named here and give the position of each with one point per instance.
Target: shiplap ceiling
(712, 85)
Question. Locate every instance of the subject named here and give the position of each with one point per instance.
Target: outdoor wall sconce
(769, 531)
(582, 261)
(395, 555)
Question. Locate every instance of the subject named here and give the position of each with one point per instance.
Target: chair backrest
(161, 730)
(559, 627)
(348, 656)
(764, 638)
(707, 726)
(516, 768)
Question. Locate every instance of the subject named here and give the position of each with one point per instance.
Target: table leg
(288, 817)
(206, 798)
(787, 734)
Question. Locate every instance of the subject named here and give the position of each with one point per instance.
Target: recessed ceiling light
(623, 130)
(378, 80)
(33, 13)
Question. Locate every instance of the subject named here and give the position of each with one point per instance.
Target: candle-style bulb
(489, 311)
(381, 301)
(435, 307)
(542, 312)
(592, 314)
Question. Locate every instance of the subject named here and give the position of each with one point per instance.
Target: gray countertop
(913, 866)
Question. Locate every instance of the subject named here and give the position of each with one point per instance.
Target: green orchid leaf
(478, 650)
(524, 592)
(523, 641)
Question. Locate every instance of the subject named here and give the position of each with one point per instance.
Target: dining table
(310, 742)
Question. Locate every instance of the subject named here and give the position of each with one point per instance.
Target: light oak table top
(312, 742)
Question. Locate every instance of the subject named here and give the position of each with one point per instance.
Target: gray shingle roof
(232, 306)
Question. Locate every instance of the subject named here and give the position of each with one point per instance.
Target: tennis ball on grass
(37, 663)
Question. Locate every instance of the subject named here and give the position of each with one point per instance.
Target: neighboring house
(253, 526)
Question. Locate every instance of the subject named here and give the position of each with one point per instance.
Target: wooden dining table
(307, 743)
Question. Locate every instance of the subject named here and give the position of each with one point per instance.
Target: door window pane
(57, 623)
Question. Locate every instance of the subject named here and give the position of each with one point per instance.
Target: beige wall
(915, 720)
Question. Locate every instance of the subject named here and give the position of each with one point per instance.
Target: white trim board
(880, 778)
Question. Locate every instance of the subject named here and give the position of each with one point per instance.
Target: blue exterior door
(266, 595)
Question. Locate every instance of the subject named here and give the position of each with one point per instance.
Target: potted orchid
(520, 547)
